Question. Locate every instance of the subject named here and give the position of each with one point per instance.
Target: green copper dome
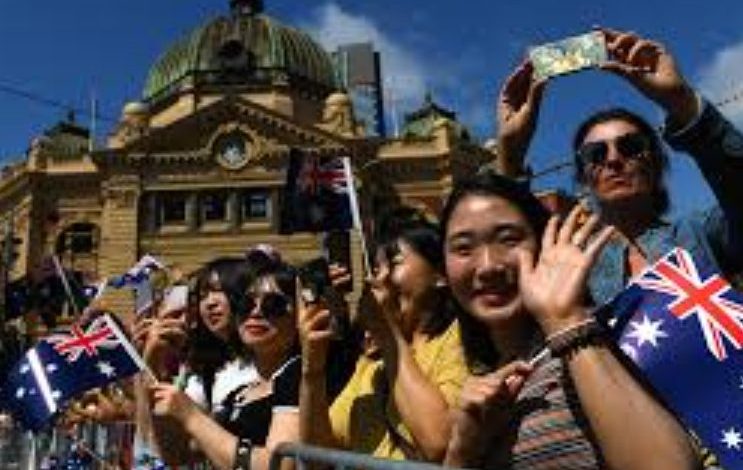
(246, 47)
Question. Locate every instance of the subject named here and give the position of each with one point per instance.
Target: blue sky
(461, 51)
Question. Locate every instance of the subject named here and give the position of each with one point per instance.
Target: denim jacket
(717, 232)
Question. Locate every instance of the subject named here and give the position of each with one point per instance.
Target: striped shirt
(549, 430)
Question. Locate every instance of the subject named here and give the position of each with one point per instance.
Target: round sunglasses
(272, 305)
(632, 145)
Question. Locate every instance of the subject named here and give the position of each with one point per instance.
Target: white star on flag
(25, 368)
(106, 369)
(56, 394)
(51, 368)
(647, 331)
(20, 393)
(732, 438)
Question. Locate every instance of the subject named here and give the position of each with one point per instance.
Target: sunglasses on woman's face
(632, 145)
(272, 305)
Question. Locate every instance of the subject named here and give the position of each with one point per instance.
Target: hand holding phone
(569, 55)
(314, 278)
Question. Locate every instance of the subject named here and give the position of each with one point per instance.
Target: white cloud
(404, 74)
(722, 79)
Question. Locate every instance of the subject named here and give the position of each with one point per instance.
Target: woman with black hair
(519, 278)
(194, 346)
(262, 411)
(396, 405)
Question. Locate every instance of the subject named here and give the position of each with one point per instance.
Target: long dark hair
(206, 353)
(408, 225)
(657, 164)
(480, 353)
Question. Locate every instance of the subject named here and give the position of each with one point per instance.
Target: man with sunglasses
(620, 159)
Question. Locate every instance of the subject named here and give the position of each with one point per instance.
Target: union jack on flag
(710, 299)
(316, 174)
(63, 366)
(318, 195)
(681, 323)
(71, 345)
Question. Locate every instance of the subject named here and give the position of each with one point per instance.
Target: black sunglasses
(273, 305)
(632, 145)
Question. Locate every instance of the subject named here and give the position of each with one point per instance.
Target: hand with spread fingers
(650, 68)
(553, 288)
(518, 110)
(485, 408)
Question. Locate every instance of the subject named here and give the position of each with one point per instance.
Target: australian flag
(64, 365)
(681, 322)
(317, 195)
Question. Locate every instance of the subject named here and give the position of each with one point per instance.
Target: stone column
(119, 245)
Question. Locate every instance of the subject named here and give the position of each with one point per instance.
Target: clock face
(233, 150)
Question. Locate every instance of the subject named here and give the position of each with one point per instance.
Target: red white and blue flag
(681, 323)
(318, 195)
(65, 365)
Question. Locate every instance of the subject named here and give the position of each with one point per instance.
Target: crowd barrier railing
(339, 459)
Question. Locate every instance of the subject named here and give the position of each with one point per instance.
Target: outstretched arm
(692, 126)
(553, 292)
(219, 445)
(517, 110)
(315, 332)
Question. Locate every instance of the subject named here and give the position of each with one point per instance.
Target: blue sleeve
(717, 147)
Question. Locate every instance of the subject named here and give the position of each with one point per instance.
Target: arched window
(77, 248)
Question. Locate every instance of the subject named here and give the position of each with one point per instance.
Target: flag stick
(66, 284)
(131, 350)
(356, 214)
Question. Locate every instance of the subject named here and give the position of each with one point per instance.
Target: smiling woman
(522, 410)
(261, 411)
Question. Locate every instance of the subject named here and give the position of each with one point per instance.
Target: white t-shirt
(232, 375)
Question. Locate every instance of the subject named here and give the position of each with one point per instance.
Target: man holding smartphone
(620, 160)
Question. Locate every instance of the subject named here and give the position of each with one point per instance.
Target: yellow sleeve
(442, 360)
(341, 409)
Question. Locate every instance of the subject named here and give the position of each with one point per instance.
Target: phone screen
(175, 299)
(568, 55)
(315, 279)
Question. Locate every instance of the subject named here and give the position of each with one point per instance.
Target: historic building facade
(194, 169)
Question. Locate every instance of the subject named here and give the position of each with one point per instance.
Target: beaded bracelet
(568, 340)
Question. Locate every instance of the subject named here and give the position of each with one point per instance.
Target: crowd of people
(475, 341)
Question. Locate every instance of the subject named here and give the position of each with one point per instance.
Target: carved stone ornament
(234, 146)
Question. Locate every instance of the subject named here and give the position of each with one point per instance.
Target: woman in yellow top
(396, 404)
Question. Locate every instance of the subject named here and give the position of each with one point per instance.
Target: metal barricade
(340, 460)
(104, 446)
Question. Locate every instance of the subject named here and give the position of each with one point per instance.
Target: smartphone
(568, 55)
(314, 277)
(144, 298)
(175, 299)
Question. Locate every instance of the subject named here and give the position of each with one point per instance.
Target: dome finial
(246, 7)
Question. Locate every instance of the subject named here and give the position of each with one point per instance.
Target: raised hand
(379, 309)
(315, 327)
(553, 290)
(518, 110)
(484, 411)
(169, 401)
(650, 68)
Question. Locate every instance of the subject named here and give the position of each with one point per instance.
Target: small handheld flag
(682, 324)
